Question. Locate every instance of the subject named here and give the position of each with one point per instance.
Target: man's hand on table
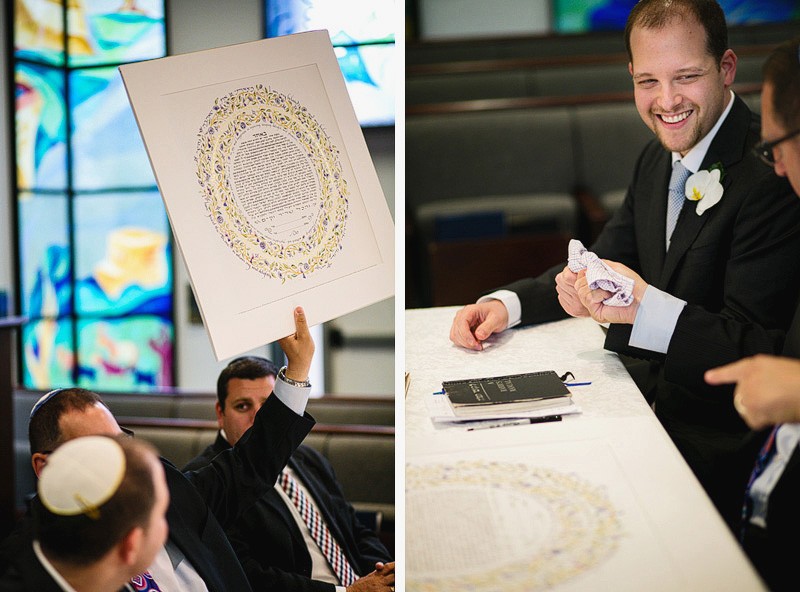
(380, 580)
(767, 389)
(593, 299)
(299, 348)
(476, 322)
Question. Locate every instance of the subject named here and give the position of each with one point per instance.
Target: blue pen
(576, 383)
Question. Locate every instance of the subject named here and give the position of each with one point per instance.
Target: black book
(504, 394)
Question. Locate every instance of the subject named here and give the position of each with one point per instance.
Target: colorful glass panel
(579, 16)
(123, 258)
(362, 32)
(45, 266)
(39, 30)
(369, 74)
(48, 353)
(132, 353)
(115, 31)
(107, 149)
(348, 22)
(40, 127)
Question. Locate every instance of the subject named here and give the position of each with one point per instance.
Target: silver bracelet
(302, 383)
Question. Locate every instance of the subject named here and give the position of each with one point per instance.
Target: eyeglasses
(764, 149)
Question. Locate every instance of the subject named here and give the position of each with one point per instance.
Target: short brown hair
(782, 71)
(655, 14)
(81, 539)
(248, 368)
(44, 432)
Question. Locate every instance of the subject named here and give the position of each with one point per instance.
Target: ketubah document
(268, 184)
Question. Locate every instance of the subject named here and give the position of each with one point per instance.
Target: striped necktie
(144, 582)
(764, 456)
(319, 530)
(676, 196)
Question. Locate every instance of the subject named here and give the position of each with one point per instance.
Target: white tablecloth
(599, 501)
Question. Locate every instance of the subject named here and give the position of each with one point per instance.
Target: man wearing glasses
(768, 388)
(705, 271)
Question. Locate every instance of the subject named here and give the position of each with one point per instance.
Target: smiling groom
(716, 270)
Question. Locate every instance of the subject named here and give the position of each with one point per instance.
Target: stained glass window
(95, 256)
(579, 16)
(362, 33)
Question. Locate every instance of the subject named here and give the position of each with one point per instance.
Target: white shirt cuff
(294, 397)
(341, 589)
(655, 320)
(511, 301)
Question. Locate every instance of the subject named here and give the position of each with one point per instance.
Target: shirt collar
(59, 579)
(694, 158)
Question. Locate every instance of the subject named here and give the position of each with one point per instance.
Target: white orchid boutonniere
(705, 188)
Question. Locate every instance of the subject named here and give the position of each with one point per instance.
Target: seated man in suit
(725, 264)
(276, 547)
(205, 502)
(99, 520)
(767, 387)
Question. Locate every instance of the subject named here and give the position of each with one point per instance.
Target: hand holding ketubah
(299, 348)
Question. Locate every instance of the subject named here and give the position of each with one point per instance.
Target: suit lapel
(791, 346)
(190, 546)
(652, 250)
(686, 230)
(727, 148)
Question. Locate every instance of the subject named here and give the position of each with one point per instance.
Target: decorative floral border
(587, 530)
(230, 117)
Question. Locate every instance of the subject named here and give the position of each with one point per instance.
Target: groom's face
(679, 88)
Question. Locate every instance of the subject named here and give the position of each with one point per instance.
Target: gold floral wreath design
(230, 117)
(587, 526)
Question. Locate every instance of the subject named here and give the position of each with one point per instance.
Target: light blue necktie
(676, 196)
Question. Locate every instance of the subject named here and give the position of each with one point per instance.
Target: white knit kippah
(81, 475)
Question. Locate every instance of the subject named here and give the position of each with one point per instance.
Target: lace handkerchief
(600, 275)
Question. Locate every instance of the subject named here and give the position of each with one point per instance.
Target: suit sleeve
(320, 479)
(237, 477)
(271, 579)
(758, 299)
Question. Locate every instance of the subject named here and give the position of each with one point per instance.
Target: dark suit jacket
(733, 265)
(269, 543)
(206, 501)
(774, 549)
(26, 574)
